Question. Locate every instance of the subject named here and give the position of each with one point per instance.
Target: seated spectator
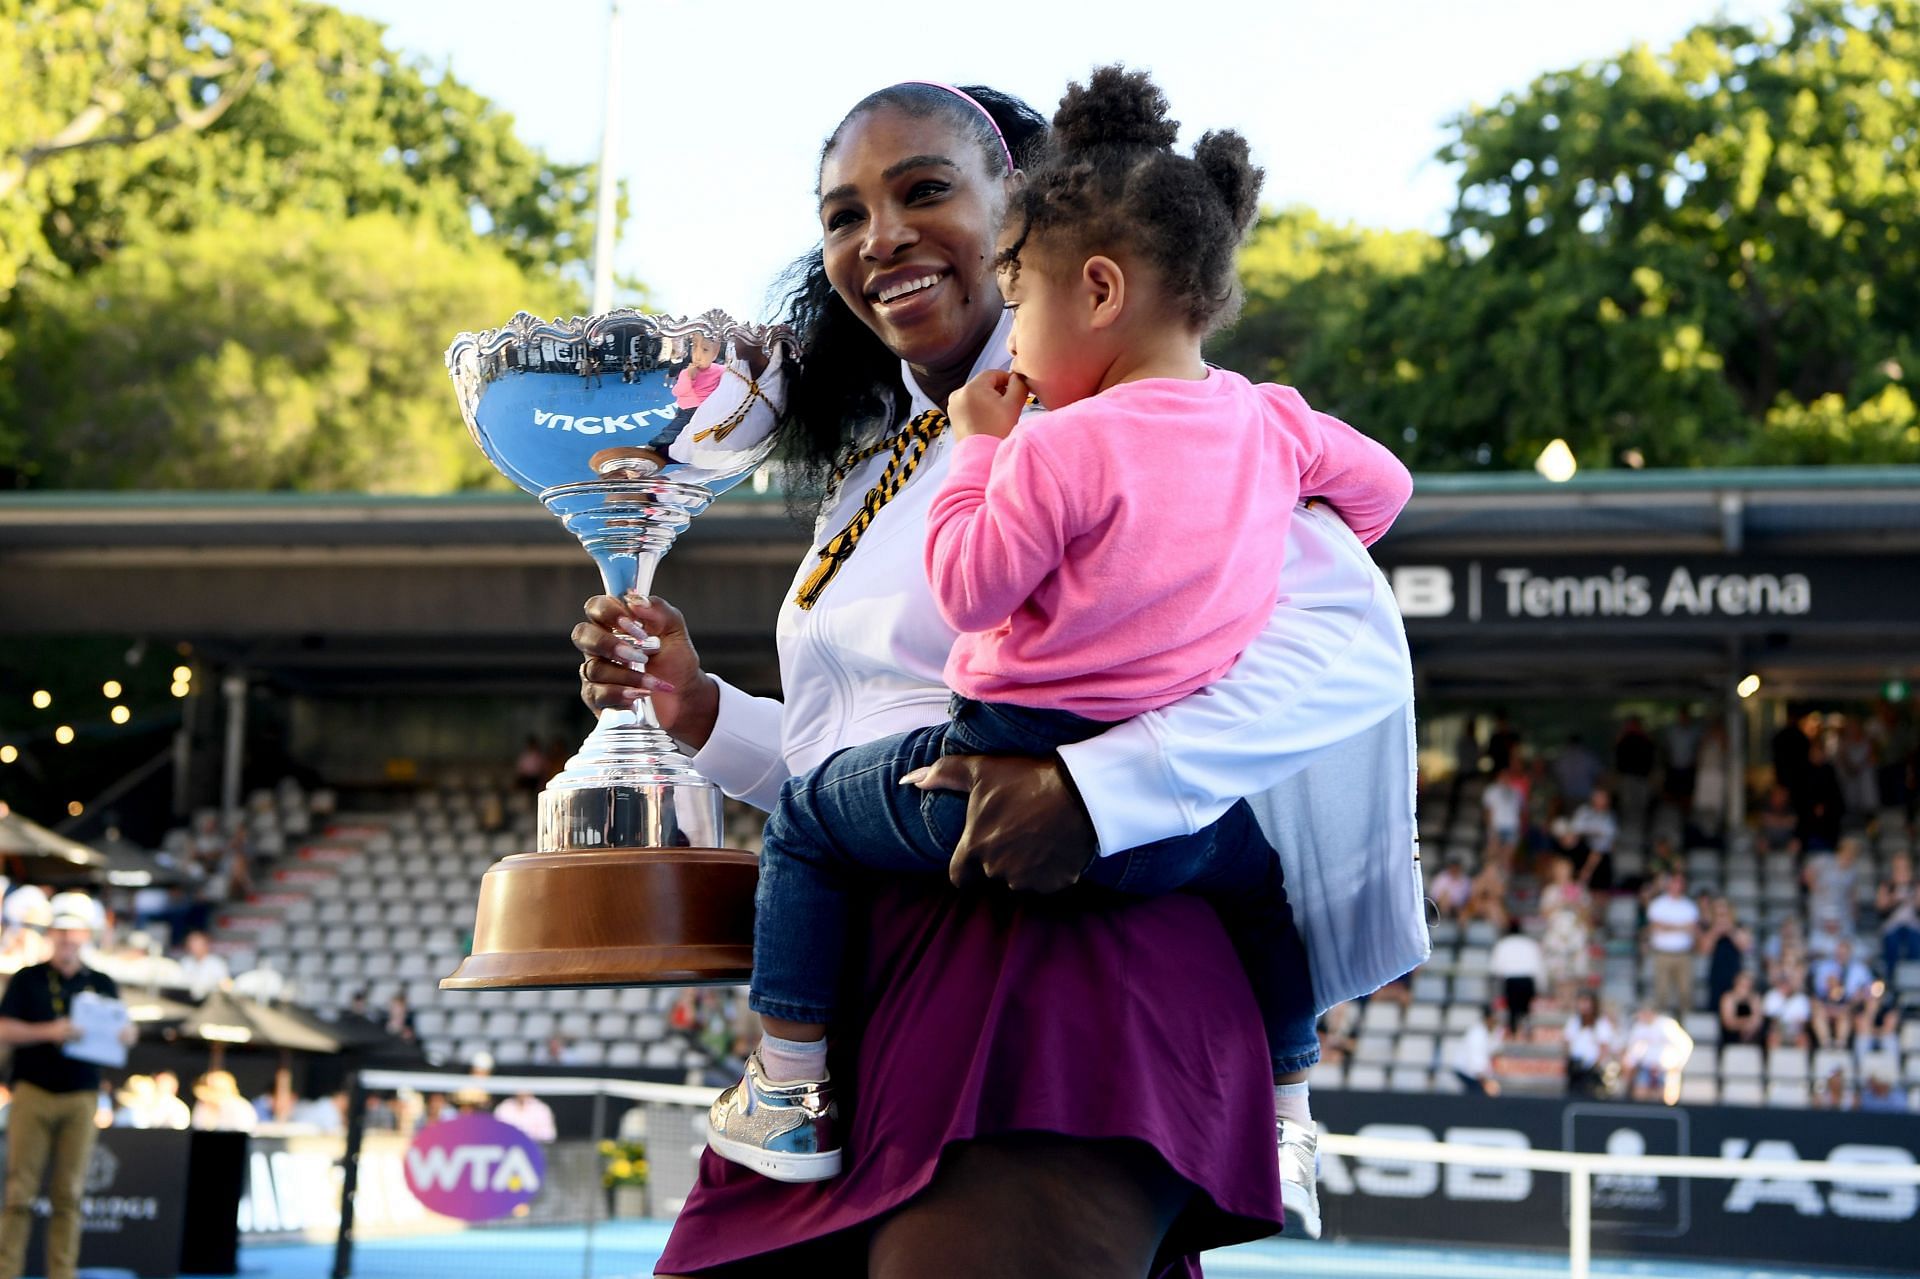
(1519, 965)
(1597, 827)
(399, 1019)
(1471, 1056)
(1487, 897)
(1450, 889)
(1876, 1026)
(1658, 1049)
(324, 1115)
(1593, 1044)
(1897, 902)
(1779, 823)
(1505, 805)
(1832, 1093)
(557, 1051)
(1337, 1028)
(1726, 945)
(1673, 931)
(1855, 977)
(1881, 1092)
(201, 971)
(219, 1107)
(135, 1102)
(1833, 1013)
(529, 1114)
(1787, 946)
(168, 1111)
(1788, 1011)
(1743, 1019)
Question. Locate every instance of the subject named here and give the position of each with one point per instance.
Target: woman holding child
(1086, 1071)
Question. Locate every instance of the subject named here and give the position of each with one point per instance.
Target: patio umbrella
(128, 865)
(155, 1010)
(226, 1018)
(20, 837)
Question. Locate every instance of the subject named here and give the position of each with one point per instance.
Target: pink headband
(973, 102)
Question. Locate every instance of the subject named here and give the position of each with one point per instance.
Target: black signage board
(134, 1204)
(1658, 593)
(1780, 1222)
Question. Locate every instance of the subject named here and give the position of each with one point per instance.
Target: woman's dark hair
(847, 379)
(1109, 180)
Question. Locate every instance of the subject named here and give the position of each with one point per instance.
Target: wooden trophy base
(613, 917)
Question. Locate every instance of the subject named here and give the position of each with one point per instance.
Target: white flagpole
(604, 204)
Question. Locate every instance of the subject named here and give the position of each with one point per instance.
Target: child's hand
(988, 405)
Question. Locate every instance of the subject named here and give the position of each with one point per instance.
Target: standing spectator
(219, 1107)
(530, 766)
(1897, 900)
(1471, 1056)
(1790, 749)
(1788, 1011)
(1857, 768)
(1742, 1019)
(1450, 889)
(1505, 803)
(1820, 804)
(1673, 930)
(1683, 758)
(1564, 940)
(1576, 770)
(1707, 814)
(1633, 760)
(1593, 1041)
(202, 971)
(1833, 884)
(1597, 828)
(55, 1097)
(1656, 1056)
(399, 1019)
(1518, 964)
(1502, 743)
(529, 1114)
(1726, 945)
(1466, 765)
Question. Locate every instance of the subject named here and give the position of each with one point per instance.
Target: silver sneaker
(1299, 1177)
(783, 1131)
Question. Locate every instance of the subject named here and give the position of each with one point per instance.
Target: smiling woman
(1087, 1073)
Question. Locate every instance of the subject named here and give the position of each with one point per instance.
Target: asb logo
(475, 1168)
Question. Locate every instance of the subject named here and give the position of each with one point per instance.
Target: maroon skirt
(986, 1014)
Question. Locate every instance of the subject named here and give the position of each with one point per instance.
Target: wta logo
(475, 1168)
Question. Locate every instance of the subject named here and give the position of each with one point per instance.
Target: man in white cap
(54, 1095)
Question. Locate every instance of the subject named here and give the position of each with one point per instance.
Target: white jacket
(1314, 723)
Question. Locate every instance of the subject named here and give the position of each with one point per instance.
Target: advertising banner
(1779, 1221)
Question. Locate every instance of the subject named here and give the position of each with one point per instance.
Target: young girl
(1111, 556)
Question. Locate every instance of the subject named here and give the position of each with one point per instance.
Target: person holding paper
(54, 1095)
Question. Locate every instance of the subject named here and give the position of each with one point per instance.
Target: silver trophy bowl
(583, 414)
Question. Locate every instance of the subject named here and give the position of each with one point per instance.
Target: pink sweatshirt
(692, 387)
(1114, 555)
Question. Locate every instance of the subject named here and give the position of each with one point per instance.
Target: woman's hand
(619, 633)
(988, 405)
(1026, 824)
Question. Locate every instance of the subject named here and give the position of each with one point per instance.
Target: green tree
(156, 129)
(1702, 256)
(286, 352)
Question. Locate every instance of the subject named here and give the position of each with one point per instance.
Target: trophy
(628, 884)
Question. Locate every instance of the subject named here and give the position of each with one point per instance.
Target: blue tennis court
(626, 1250)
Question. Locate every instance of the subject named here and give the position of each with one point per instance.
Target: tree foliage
(153, 129)
(1705, 256)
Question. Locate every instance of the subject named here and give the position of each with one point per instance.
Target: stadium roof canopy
(352, 594)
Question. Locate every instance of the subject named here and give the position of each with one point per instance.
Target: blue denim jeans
(851, 817)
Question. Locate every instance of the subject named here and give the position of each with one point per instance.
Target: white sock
(793, 1061)
(1290, 1103)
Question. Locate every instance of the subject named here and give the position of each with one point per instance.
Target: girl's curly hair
(1110, 181)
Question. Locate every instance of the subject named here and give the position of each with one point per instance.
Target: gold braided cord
(721, 430)
(908, 445)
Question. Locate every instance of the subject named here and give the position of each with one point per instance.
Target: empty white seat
(1787, 1094)
(625, 1055)
(1697, 1089)
(1409, 1079)
(1380, 1017)
(1424, 1018)
(502, 1023)
(611, 1025)
(1366, 1077)
(576, 1025)
(1460, 1017)
(1376, 1049)
(1785, 1063)
(1414, 1050)
(465, 1023)
(1429, 988)
(1741, 1061)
